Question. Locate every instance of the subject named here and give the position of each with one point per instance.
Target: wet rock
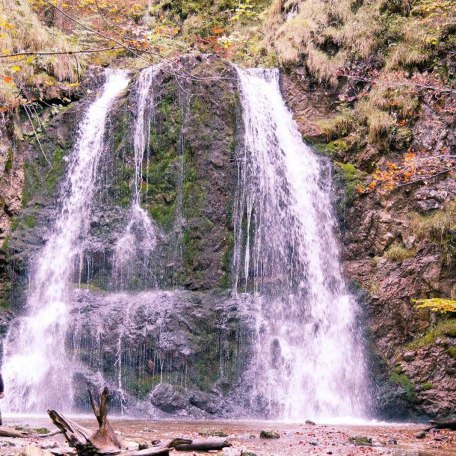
(361, 440)
(231, 452)
(408, 356)
(48, 445)
(269, 435)
(311, 423)
(421, 435)
(248, 453)
(169, 398)
(212, 433)
(35, 451)
(207, 402)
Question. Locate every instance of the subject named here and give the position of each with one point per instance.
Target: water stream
(36, 367)
(308, 358)
(135, 246)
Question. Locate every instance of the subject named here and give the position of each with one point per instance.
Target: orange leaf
(8, 79)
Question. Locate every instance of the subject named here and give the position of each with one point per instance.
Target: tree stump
(101, 442)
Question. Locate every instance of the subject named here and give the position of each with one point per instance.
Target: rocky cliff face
(398, 246)
(392, 251)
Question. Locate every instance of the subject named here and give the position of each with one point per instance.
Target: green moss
(165, 162)
(6, 243)
(352, 177)
(141, 387)
(361, 441)
(212, 433)
(29, 221)
(225, 280)
(201, 110)
(337, 146)
(15, 222)
(445, 328)
(163, 214)
(402, 380)
(426, 386)
(122, 189)
(452, 352)
(191, 248)
(194, 197)
(32, 181)
(338, 126)
(56, 171)
(9, 160)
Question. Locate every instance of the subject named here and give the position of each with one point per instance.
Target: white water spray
(36, 369)
(139, 238)
(308, 361)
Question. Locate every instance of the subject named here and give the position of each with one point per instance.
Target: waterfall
(36, 368)
(307, 359)
(139, 238)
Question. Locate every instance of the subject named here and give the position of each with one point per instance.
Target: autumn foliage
(412, 168)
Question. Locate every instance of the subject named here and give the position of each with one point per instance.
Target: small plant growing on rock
(436, 304)
(398, 253)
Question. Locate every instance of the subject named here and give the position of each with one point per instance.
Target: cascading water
(308, 360)
(139, 238)
(305, 360)
(36, 367)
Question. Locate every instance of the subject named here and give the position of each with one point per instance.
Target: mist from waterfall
(36, 367)
(307, 358)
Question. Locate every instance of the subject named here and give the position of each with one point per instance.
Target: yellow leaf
(30, 59)
(15, 68)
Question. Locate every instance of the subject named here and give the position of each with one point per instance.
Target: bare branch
(36, 135)
(81, 51)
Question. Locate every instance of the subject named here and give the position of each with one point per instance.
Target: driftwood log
(443, 424)
(14, 433)
(204, 445)
(104, 441)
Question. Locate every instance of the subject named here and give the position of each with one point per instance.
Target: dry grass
(439, 227)
(398, 252)
(337, 126)
(323, 34)
(22, 31)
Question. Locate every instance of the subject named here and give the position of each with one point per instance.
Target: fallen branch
(81, 51)
(204, 445)
(442, 424)
(8, 432)
(50, 434)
